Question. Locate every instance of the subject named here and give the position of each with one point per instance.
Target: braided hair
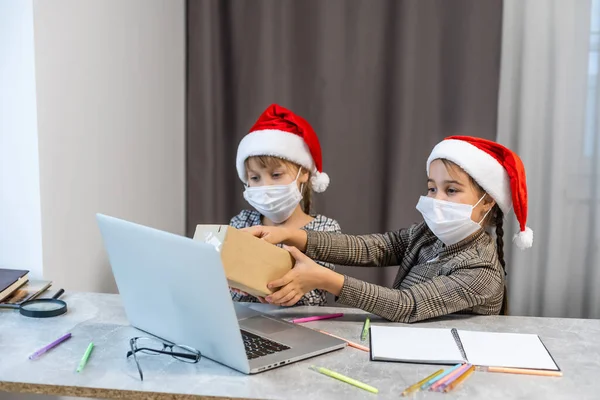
(495, 217)
(499, 221)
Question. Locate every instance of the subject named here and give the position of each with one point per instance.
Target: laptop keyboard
(257, 346)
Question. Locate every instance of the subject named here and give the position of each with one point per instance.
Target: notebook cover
(10, 276)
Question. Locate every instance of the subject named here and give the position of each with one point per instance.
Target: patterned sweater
(433, 279)
(320, 223)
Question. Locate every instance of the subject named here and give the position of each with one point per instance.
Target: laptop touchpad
(265, 325)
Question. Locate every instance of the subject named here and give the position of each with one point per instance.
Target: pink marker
(316, 318)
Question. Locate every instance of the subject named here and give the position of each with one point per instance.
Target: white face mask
(450, 222)
(276, 202)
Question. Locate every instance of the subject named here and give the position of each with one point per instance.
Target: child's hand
(276, 235)
(271, 234)
(304, 277)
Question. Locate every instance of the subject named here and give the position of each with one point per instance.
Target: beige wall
(110, 99)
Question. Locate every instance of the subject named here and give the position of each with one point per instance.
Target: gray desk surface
(574, 343)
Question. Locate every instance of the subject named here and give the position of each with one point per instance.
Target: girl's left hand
(304, 277)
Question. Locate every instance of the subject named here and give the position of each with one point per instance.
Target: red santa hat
(281, 133)
(498, 170)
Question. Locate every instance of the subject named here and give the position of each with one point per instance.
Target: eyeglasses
(155, 347)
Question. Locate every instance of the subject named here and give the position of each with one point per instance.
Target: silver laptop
(174, 288)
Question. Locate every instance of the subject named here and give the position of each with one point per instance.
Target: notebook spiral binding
(459, 344)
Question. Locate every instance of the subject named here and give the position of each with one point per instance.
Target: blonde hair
(293, 168)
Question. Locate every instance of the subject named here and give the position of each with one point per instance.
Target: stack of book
(16, 288)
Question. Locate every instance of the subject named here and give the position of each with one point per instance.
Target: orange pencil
(523, 371)
(351, 344)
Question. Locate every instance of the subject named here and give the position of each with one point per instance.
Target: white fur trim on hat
(482, 167)
(272, 142)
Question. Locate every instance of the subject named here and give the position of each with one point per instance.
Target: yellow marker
(354, 382)
(418, 385)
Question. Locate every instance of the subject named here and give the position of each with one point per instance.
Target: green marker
(85, 357)
(365, 330)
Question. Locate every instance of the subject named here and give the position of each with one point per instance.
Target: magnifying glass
(41, 308)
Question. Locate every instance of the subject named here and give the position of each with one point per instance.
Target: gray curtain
(380, 81)
(549, 111)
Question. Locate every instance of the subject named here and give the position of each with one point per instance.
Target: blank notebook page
(511, 350)
(424, 345)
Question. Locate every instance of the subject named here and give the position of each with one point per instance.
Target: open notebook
(452, 346)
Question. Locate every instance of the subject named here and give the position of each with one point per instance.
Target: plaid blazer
(433, 279)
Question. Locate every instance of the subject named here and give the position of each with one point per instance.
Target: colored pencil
(456, 373)
(417, 386)
(52, 345)
(430, 382)
(460, 380)
(522, 371)
(351, 344)
(343, 378)
(316, 318)
(85, 357)
(365, 330)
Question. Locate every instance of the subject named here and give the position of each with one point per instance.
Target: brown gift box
(249, 262)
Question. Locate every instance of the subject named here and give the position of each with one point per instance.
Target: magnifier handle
(13, 306)
(58, 294)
